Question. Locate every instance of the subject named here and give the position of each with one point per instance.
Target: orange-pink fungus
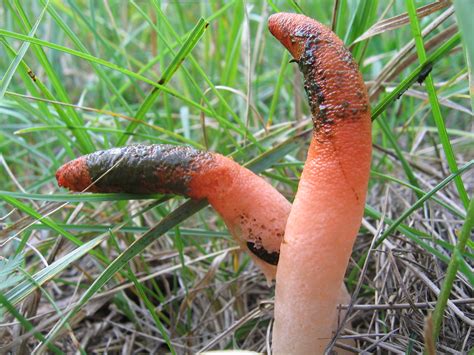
(254, 212)
(329, 204)
(328, 207)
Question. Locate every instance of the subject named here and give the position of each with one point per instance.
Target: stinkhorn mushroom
(254, 211)
(329, 204)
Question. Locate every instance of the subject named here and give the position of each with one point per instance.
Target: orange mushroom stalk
(254, 212)
(329, 204)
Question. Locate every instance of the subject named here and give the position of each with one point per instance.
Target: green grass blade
(179, 139)
(420, 238)
(241, 128)
(7, 77)
(107, 64)
(276, 95)
(27, 287)
(187, 47)
(96, 197)
(48, 222)
(463, 11)
(422, 200)
(84, 141)
(434, 102)
(363, 18)
(189, 76)
(201, 233)
(45, 115)
(420, 192)
(452, 270)
(27, 325)
(415, 74)
(401, 157)
(45, 220)
(75, 39)
(411, 234)
(170, 221)
(151, 309)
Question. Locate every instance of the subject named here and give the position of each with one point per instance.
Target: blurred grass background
(89, 273)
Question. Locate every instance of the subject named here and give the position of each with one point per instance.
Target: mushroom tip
(289, 29)
(278, 24)
(61, 176)
(74, 175)
(273, 19)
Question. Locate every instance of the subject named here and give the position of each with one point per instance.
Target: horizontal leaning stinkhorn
(329, 204)
(254, 212)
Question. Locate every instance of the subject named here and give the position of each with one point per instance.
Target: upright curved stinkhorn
(254, 212)
(329, 204)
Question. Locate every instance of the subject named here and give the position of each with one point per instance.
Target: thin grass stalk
(453, 267)
(434, 102)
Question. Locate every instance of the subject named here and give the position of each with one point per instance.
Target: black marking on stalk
(308, 65)
(154, 168)
(400, 94)
(323, 81)
(32, 75)
(425, 71)
(269, 257)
